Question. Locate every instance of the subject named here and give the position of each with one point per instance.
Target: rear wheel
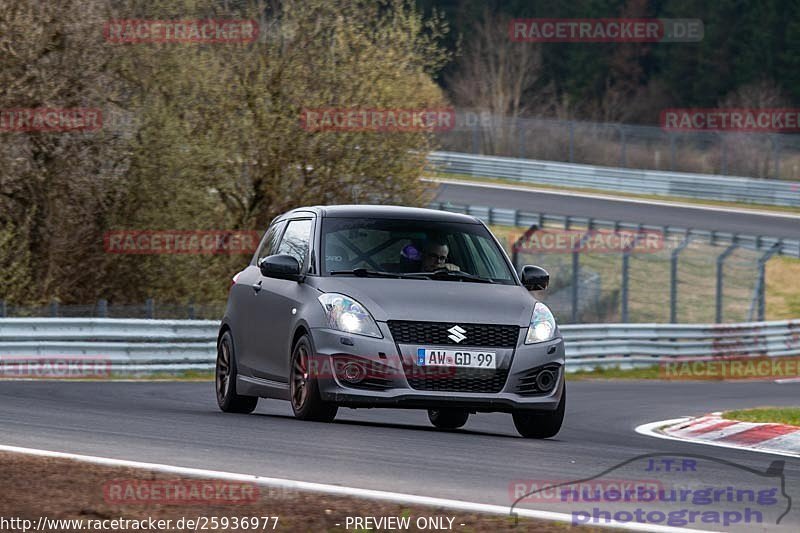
(448, 418)
(225, 379)
(304, 389)
(537, 425)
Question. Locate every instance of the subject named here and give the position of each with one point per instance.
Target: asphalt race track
(395, 450)
(556, 203)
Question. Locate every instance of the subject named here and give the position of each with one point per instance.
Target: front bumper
(396, 364)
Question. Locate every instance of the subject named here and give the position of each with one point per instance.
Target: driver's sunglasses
(436, 257)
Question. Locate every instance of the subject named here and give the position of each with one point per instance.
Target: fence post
(571, 141)
(102, 308)
(720, 275)
(54, 308)
(149, 308)
(624, 290)
(190, 310)
(761, 283)
(623, 154)
(575, 281)
(776, 151)
(576, 267)
(724, 155)
(672, 151)
(475, 139)
(2, 308)
(673, 278)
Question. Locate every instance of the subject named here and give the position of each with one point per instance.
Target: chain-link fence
(758, 155)
(683, 280)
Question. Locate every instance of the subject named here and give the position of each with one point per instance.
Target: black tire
(541, 425)
(303, 387)
(225, 379)
(448, 418)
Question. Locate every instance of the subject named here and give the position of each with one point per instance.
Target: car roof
(385, 211)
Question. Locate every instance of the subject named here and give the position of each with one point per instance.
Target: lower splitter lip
(413, 399)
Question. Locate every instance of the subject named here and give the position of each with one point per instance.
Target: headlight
(346, 314)
(543, 325)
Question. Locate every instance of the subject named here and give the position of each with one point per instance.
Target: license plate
(456, 358)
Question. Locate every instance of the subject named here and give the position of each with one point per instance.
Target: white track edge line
(599, 196)
(651, 430)
(340, 490)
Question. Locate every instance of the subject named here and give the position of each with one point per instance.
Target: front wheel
(535, 425)
(448, 418)
(225, 379)
(303, 387)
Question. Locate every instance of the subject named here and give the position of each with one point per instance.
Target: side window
(296, 239)
(269, 244)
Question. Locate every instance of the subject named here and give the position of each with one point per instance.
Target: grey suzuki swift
(378, 306)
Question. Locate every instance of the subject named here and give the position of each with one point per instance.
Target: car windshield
(416, 249)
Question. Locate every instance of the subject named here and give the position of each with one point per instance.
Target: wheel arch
(222, 329)
(301, 329)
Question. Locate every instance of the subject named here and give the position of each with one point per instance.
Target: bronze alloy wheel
(299, 384)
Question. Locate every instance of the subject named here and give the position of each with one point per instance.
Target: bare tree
(752, 154)
(496, 74)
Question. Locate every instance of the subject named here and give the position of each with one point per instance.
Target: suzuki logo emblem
(456, 334)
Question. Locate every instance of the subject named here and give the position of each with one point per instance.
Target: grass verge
(648, 372)
(62, 489)
(775, 415)
(186, 375)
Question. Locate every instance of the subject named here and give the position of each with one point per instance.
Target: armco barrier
(173, 345)
(700, 186)
(514, 217)
(128, 344)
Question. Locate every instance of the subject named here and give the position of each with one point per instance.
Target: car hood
(435, 300)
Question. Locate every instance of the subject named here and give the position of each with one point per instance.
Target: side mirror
(281, 266)
(534, 278)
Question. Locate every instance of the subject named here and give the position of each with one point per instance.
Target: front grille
(436, 333)
(457, 379)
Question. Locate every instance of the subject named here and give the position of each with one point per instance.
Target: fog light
(546, 380)
(353, 372)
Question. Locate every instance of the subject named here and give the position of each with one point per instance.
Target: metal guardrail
(515, 217)
(687, 185)
(125, 344)
(174, 345)
(640, 344)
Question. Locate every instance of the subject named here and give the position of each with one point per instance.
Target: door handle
(257, 286)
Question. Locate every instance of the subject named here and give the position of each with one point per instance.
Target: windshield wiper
(453, 274)
(367, 273)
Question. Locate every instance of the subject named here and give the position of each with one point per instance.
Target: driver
(434, 257)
